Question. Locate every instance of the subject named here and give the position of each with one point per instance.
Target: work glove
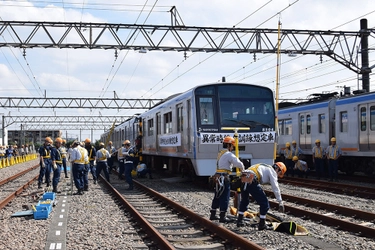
(42, 164)
(54, 166)
(281, 207)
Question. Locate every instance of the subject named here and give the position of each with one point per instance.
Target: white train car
(184, 133)
(351, 119)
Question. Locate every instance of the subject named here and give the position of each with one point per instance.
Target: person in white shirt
(77, 159)
(252, 178)
(300, 167)
(225, 161)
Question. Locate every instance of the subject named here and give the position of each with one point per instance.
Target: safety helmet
(101, 145)
(64, 141)
(126, 142)
(294, 142)
(110, 142)
(75, 143)
(230, 140)
(317, 141)
(295, 158)
(333, 139)
(87, 140)
(287, 144)
(282, 167)
(58, 139)
(48, 139)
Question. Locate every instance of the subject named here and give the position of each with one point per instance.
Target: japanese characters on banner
(170, 140)
(258, 137)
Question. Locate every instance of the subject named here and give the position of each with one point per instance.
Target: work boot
(263, 226)
(79, 192)
(39, 185)
(47, 185)
(240, 222)
(66, 176)
(95, 181)
(130, 187)
(213, 215)
(224, 218)
(86, 188)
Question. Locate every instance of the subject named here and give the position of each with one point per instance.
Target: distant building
(20, 137)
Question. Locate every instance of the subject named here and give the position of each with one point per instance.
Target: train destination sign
(259, 137)
(170, 140)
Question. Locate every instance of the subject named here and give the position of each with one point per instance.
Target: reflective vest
(60, 159)
(82, 160)
(318, 152)
(288, 154)
(90, 156)
(104, 156)
(47, 154)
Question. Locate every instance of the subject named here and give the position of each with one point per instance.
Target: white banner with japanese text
(243, 138)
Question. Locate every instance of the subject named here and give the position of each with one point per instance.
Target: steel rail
(2, 182)
(220, 231)
(324, 219)
(4, 202)
(355, 213)
(339, 188)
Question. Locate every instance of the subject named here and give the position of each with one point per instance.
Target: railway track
(13, 186)
(333, 187)
(169, 225)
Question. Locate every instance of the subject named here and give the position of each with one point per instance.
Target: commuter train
(184, 133)
(349, 118)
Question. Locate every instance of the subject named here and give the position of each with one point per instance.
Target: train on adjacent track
(184, 133)
(350, 118)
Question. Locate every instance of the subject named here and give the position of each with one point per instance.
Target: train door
(367, 127)
(188, 126)
(305, 131)
(158, 131)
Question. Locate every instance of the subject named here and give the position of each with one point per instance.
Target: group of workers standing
(84, 158)
(299, 167)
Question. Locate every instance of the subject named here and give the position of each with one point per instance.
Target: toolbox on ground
(44, 206)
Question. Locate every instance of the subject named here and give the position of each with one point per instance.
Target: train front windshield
(235, 105)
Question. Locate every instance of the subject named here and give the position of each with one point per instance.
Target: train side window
(322, 123)
(344, 121)
(288, 126)
(158, 123)
(150, 127)
(206, 110)
(168, 123)
(363, 119)
(308, 124)
(302, 124)
(372, 118)
(281, 127)
(180, 118)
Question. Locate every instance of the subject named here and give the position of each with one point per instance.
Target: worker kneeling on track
(225, 161)
(252, 178)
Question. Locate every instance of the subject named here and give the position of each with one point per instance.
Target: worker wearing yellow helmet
(92, 157)
(56, 159)
(128, 153)
(102, 156)
(113, 154)
(225, 161)
(300, 167)
(318, 155)
(333, 153)
(288, 156)
(45, 162)
(252, 179)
